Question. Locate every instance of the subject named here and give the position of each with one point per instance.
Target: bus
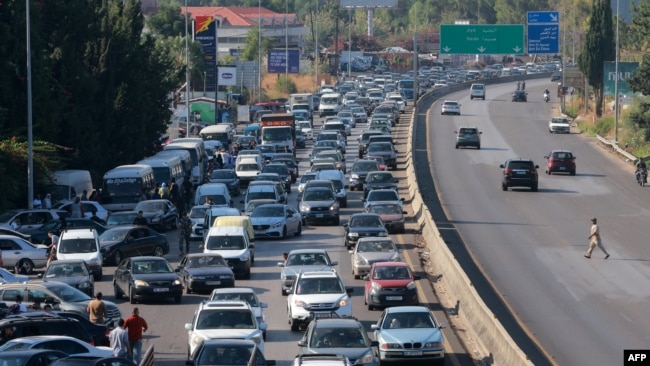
(199, 156)
(405, 88)
(123, 185)
(165, 168)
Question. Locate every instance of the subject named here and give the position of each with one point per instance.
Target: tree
(599, 47)
(251, 51)
(169, 21)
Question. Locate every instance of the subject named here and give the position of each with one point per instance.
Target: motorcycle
(642, 176)
(546, 97)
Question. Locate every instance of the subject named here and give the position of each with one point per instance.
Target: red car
(560, 161)
(390, 284)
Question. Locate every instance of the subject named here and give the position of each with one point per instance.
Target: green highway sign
(487, 39)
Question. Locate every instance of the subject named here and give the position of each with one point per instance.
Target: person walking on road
(594, 240)
(135, 326)
(184, 233)
(119, 340)
(97, 309)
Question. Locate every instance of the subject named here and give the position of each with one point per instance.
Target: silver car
(303, 260)
(370, 250)
(276, 221)
(22, 255)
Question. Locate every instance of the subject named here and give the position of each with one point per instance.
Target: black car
(519, 173)
(359, 172)
(379, 180)
(130, 241)
(364, 140)
(160, 214)
(25, 326)
(74, 272)
(386, 151)
(290, 163)
(31, 357)
(319, 204)
(282, 170)
(556, 76)
(142, 278)
(203, 272)
(519, 96)
(98, 332)
(228, 352)
(362, 225)
(90, 360)
(39, 235)
(227, 177)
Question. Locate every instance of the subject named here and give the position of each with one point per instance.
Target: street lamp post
(349, 41)
(616, 101)
(259, 54)
(187, 73)
(30, 138)
(286, 45)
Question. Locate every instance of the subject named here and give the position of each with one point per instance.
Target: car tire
(25, 266)
(158, 251)
(117, 292)
(295, 327)
(534, 188)
(337, 221)
(299, 232)
(344, 203)
(284, 233)
(284, 293)
(457, 146)
(132, 295)
(117, 258)
(504, 187)
(98, 276)
(573, 172)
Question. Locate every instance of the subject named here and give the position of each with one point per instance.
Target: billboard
(277, 61)
(205, 31)
(625, 71)
(228, 75)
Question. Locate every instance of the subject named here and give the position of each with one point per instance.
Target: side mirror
(345, 225)
(351, 251)
(302, 343)
(349, 290)
(366, 278)
(40, 275)
(334, 263)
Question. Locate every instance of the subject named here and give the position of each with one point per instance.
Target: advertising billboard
(277, 61)
(205, 29)
(227, 75)
(625, 71)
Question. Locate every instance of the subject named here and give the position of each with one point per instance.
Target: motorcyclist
(547, 95)
(640, 167)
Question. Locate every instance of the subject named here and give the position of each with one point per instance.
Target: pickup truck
(559, 125)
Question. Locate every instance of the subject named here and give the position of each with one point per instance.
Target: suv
(344, 336)
(379, 180)
(477, 91)
(44, 325)
(319, 204)
(360, 171)
(386, 151)
(468, 136)
(81, 244)
(519, 173)
(224, 320)
(317, 294)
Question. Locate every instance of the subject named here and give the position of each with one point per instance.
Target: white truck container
(302, 99)
(68, 184)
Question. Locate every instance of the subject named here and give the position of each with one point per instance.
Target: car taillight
(532, 170)
(507, 171)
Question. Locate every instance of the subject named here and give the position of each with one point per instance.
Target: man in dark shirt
(140, 220)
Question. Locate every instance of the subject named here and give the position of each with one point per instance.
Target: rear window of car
(468, 131)
(478, 87)
(520, 165)
(562, 155)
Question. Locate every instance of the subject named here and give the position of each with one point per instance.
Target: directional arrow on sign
(481, 49)
(447, 49)
(517, 49)
(554, 18)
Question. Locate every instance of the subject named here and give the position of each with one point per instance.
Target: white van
(218, 192)
(123, 185)
(165, 168)
(247, 169)
(221, 132)
(196, 148)
(81, 243)
(233, 243)
(68, 184)
(330, 104)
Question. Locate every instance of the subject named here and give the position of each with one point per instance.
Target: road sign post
(543, 32)
(488, 39)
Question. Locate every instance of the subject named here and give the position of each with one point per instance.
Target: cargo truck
(279, 130)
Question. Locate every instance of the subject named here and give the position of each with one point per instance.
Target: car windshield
(119, 218)
(280, 169)
(225, 319)
(268, 211)
(247, 167)
(252, 205)
(66, 294)
(385, 209)
(225, 355)
(308, 286)
(381, 178)
(198, 212)
(408, 320)
(327, 136)
(58, 270)
(307, 259)
(365, 221)
(117, 234)
(248, 297)
(217, 199)
(562, 155)
(338, 338)
(225, 242)
(383, 195)
(78, 245)
(391, 273)
(205, 261)
(520, 165)
(307, 177)
(467, 131)
(222, 174)
(375, 246)
(151, 266)
(318, 195)
(365, 167)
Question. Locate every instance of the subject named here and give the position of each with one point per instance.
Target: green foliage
(252, 50)
(285, 86)
(169, 21)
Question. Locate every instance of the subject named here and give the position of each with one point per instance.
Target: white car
(90, 207)
(450, 107)
(69, 345)
(224, 320)
(317, 293)
(242, 294)
(307, 130)
(397, 98)
(20, 253)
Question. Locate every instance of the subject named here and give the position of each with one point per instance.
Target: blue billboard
(278, 64)
(543, 32)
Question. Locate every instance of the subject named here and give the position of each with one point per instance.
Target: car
(234, 244)
(34, 357)
(338, 181)
(391, 213)
(161, 214)
(227, 177)
(252, 205)
(344, 336)
(8, 277)
(67, 344)
(7, 231)
(319, 204)
(359, 172)
(143, 277)
(333, 136)
(203, 272)
(321, 360)
(323, 164)
(246, 294)
(268, 150)
(378, 159)
(280, 183)
(450, 107)
(338, 158)
(303, 260)
(390, 283)
(121, 218)
(519, 173)
(21, 220)
(223, 320)
(228, 352)
(477, 91)
(364, 140)
(306, 177)
(87, 360)
(379, 180)
(468, 136)
(197, 216)
(386, 151)
(559, 125)
(361, 225)
(282, 170)
(560, 161)
(301, 140)
(21, 255)
(81, 243)
(519, 96)
(316, 294)
(90, 209)
(399, 99)
(276, 221)
(74, 272)
(409, 334)
(306, 128)
(130, 241)
(324, 145)
(291, 163)
(265, 189)
(381, 123)
(556, 76)
(370, 250)
(391, 113)
(98, 332)
(63, 296)
(382, 195)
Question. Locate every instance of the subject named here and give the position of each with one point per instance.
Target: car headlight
(343, 302)
(361, 260)
(391, 346)
(277, 224)
(376, 286)
(368, 357)
(197, 277)
(354, 176)
(304, 207)
(410, 286)
(301, 304)
(141, 283)
(225, 277)
(196, 340)
(334, 207)
(244, 257)
(353, 235)
(383, 233)
(85, 285)
(433, 345)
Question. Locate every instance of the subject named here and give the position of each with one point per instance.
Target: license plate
(161, 289)
(393, 298)
(258, 232)
(562, 168)
(412, 353)
(322, 315)
(213, 282)
(520, 172)
(320, 215)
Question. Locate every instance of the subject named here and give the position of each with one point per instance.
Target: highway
(167, 320)
(529, 244)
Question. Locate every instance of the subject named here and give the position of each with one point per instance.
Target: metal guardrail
(629, 158)
(148, 357)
